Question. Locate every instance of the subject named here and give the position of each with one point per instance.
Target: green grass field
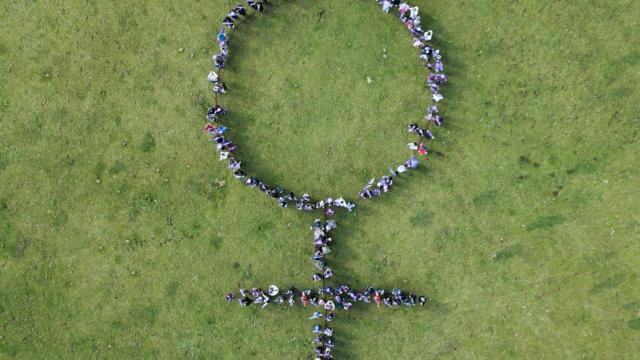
(117, 240)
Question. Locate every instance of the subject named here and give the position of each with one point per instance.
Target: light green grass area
(117, 241)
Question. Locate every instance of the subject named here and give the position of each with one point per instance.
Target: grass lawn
(117, 240)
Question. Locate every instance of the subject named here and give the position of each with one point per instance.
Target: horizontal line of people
(327, 298)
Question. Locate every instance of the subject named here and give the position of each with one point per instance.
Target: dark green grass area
(120, 232)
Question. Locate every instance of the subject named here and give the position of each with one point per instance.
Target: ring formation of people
(432, 60)
(327, 299)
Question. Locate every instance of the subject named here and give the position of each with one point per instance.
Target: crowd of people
(432, 60)
(322, 241)
(325, 298)
(322, 246)
(374, 189)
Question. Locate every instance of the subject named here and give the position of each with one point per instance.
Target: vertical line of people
(322, 241)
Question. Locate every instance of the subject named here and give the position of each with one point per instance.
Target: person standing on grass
(437, 120)
(377, 297)
(232, 147)
(219, 110)
(222, 36)
(220, 87)
(229, 298)
(218, 60)
(412, 163)
(212, 77)
(240, 10)
(329, 317)
(228, 22)
(403, 8)
(211, 115)
(234, 164)
(327, 273)
(233, 14)
(245, 301)
(421, 149)
(239, 174)
(386, 5)
(316, 315)
(221, 129)
(265, 301)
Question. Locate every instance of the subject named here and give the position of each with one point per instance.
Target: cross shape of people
(325, 300)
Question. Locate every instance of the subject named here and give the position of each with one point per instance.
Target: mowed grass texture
(118, 241)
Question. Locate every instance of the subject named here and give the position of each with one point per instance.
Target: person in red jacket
(378, 298)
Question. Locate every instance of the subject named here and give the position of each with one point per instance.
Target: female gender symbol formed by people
(326, 300)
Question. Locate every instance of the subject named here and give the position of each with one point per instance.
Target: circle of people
(432, 61)
(327, 298)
